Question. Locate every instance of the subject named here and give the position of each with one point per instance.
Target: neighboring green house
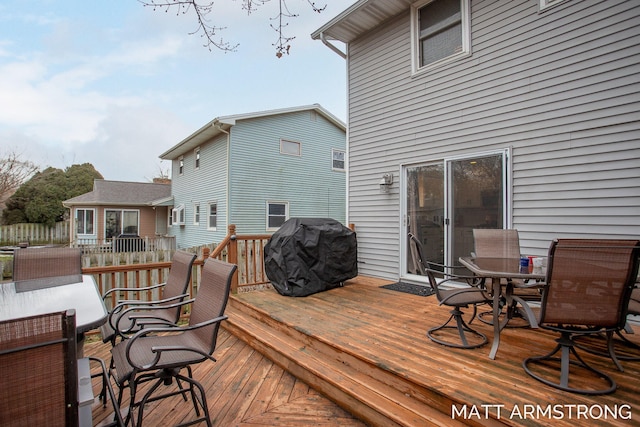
(256, 170)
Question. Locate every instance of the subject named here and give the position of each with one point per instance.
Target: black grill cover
(309, 255)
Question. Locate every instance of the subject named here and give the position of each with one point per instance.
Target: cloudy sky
(115, 84)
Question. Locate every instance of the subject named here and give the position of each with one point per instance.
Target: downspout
(344, 56)
(332, 47)
(219, 127)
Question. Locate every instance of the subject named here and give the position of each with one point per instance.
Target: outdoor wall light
(386, 182)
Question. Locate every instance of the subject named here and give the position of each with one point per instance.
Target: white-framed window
(212, 221)
(177, 214)
(85, 221)
(291, 148)
(196, 213)
(277, 214)
(196, 154)
(441, 32)
(181, 165)
(121, 221)
(338, 159)
(169, 217)
(546, 4)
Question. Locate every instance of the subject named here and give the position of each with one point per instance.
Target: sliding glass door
(446, 200)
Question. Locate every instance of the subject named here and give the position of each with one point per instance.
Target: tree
(39, 200)
(14, 172)
(209, 31)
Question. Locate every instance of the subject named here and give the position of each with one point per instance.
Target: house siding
(260, 173)
(206, 184)
(560, 88)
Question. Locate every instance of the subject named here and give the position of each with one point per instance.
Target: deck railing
(246, 251)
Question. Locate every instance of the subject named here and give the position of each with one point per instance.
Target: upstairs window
(181, 165)
(292, 148)
(337, 160)
(441, 32)
(197, 156)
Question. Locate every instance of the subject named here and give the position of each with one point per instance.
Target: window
(84, 221)
(337, 160)
(442, 31)
(291, 148)
(213, 216)
(277, 214)
(545, 4)
(181, 165)
(122, 221)
(196, 213)
(178, 215)
(197, 155)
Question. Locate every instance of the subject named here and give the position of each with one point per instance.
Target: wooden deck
(365, 349)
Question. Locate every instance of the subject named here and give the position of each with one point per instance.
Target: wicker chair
(38, 367)
(589, 283)
(54, 265)
(150, 355)
(126, 316)
(470, 295)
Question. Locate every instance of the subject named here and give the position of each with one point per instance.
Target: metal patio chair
(159, 354)
(589, 284)
(457, 298)
(504, 243)
(124, 319)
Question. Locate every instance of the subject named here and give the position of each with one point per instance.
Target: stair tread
(383, 398)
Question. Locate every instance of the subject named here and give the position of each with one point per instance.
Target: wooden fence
(38, 234)
(140, 269)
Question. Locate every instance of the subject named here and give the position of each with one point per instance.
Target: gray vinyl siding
(559, 87)
(202, 185)
(260, 173)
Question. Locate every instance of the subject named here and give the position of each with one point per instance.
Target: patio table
(47, 295)
(497, 269)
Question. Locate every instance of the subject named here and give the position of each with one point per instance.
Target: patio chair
(504, 243)
(124, 319)
(62, 263)
(496, 243)
(160, 353)
(457, 297)
(589, 283)
(629, 347)
(39, 372)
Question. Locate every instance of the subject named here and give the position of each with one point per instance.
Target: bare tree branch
(210, 32)
(13, 173)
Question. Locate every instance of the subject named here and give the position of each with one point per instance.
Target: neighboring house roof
(121, 193)
(359, 18)
(223, 123)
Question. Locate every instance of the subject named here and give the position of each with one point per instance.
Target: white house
(521, 114)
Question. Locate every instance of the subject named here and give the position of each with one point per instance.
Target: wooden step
(371, 392)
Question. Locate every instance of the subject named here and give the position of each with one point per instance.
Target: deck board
(361, 323)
